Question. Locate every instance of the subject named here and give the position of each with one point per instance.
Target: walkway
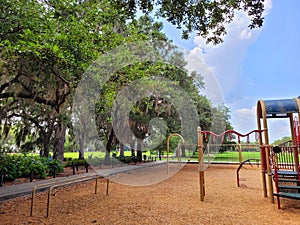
(14, 191)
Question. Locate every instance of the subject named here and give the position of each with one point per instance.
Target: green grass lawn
(234, 156)
(219, 157)
(227, 157)
(75, 155)
(224, 157)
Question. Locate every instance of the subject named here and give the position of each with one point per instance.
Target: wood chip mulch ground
(172, 201)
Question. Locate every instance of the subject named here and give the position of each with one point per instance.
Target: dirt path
(174, 201)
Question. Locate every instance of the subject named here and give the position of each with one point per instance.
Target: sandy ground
(173, 201)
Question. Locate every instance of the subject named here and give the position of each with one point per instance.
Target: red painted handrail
(232, 132)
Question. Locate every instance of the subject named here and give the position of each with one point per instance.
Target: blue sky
(254, 64)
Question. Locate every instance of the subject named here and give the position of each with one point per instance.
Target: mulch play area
(172, 201)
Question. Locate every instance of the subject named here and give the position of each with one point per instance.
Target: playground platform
(19, 190)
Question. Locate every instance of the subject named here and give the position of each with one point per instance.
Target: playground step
(288, 180)
(292, 189)
(289, 187)
(286, 173)
(288, 195)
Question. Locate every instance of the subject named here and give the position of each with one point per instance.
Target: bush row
(17, 166)
(95, 161)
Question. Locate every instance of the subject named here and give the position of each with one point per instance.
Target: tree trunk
(121, 150)
(46, 146)
(81, 145)
(183, 151)
(139, 151)
(132, 148)
(46, 135)
(59, 141)
(108, 146)
(159, 154)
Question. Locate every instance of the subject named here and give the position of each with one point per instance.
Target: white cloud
(222, 68)
(212, 87)
(268, 7)
(244, 120)
(245, 34)
(226, 60)
(278, 128)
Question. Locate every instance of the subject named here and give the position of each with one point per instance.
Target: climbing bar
(68, 183)
(230, 132)
(60, 183)
(48, 184)
(241, 165)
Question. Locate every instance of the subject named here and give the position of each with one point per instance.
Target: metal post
(48, 203)
(179, 155)
(269, 174)
(54, 172)
(208, 153)
(96, 185)
(31, 176)
(1, 179)
(107, 185)
(32, 201)
(86, 165)
(201, 165)
(240, 153)
(73, 167)
(168, 149)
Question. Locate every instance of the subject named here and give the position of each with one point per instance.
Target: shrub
(39, 169)
(55, 163)
(21, 165)
(78, 162)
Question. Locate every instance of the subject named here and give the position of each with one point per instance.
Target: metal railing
(61, 183)
(287, 158)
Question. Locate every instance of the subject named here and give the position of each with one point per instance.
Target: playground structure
(214, 143)
(178, 149)
(204, 136)
(200, 159)
(241, 166)
(279, 163)
(276, 161)
(200, 148)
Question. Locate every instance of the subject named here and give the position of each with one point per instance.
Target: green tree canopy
(46, 45)
(206, 17)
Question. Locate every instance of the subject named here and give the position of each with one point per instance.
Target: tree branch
(28, 96)
(5, 85)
